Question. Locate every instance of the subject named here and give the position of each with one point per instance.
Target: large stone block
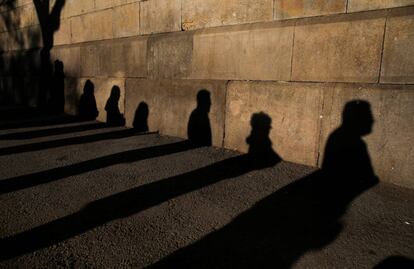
(287, 9)
(209, 13)
(171, 102)
(294, 108)
(126, 20)
(160, 16)
(89, 60)
(63, 35)
(346, 48)
(391, 141)
(398, 55)
(253, 53)
(102, 90)
(70, 56)
(170, 55)
(92, 26)
(75, 8)
(360, 5)
(126, 58)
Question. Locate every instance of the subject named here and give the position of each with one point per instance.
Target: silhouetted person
(199, 130)
(57, 102)
(302, 216)
(346, 157)
(141, 118)
(134, 200)
(260, 145)
(113, 115)
(87, 102)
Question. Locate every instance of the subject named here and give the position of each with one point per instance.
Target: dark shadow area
(198, 129)
(140, 122)
(304, 215)
(113, 116)
(25, 67)
(70, 141)
(87, 103)
(27, 181)
(49, 19)
(57, 94)
(396, 262)
(132, 201)
(53, 131)
(26, 118)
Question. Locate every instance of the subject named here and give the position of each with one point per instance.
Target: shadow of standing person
(302, 216)
(135, 200)
(113, 115)
(87, 102)
(198, 128)
(140, 123)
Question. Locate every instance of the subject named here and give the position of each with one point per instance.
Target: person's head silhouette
(115, 93)
(357, 117)
(89, 88)
(141, 118)
(203, 101)
(260, 145)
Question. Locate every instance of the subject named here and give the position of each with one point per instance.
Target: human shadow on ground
(396, 262)
(198, 128)
(140, 122)
(133, 201)
(302, 216)
(113, 116)
(124, 133)
(26, 118)
(43, 177)
(87, 103)
(53, 131)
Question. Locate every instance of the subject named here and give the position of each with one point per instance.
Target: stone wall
(298, 61)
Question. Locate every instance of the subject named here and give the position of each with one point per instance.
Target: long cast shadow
(132, 201)
(302, 216)
(71, 141)
(43, 177)
(53, 131)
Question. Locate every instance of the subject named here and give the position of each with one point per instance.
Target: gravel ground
(82, 195)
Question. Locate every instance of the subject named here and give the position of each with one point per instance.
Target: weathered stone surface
(391, 141)
(208, 13)
(89, 60)
(160, 16)
(63, 34)
(360, 5)
(127, 58)
(171, 102)
(102, 90)
(92, 26)
(126, 20)
(244, 53)
(346, 49)
(25, 38)
(295, 109)
(170, 56)
(398, 55)
(74, 8)
(23, 16)
(287, 9)
(70, 56)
